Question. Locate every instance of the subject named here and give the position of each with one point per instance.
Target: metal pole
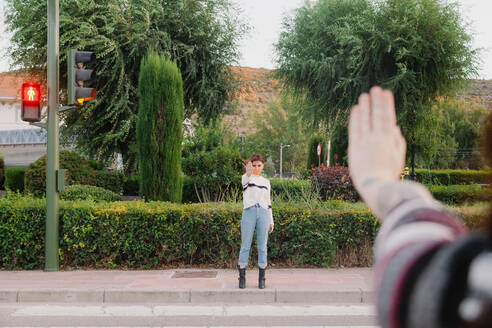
(328, 154)
(280, 161)
(51, 244)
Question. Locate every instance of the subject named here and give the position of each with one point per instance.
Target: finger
(390, 101)
(354, 128)
(382, 110)
(365, 113)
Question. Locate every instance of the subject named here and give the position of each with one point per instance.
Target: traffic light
(78, 76)
(31, 102)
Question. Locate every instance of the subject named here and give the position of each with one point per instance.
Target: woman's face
(257, 167)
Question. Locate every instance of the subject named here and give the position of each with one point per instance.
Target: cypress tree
(313, 151)
(159, 128)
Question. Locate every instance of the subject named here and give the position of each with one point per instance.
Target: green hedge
(14, 178)
(149, 235)
(460, 194)
(156, 234)
(452, 177)
(83, 192)
(110, 180)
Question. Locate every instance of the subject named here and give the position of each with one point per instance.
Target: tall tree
(200, 35)
(159, 129)
(332, 50)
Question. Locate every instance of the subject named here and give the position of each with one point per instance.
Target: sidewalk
(315, 286)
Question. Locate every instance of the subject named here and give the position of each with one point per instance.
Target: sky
(265, 20)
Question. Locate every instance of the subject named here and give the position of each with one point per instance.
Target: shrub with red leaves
(333, 183)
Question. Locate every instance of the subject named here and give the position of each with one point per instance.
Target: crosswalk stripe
(187, 310)
(212, 327)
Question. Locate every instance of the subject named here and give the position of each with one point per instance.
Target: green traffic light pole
(51, 241)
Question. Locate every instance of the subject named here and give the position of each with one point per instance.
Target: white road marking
(191, 310)
(299, 311)
(176, 311)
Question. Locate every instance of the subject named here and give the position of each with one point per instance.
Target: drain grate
(194, 274)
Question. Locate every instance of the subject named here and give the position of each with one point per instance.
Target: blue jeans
(254, 216)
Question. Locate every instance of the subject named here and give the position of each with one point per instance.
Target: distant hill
(258, 88)
(480, 92)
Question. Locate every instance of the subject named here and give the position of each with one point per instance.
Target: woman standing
(257, 213)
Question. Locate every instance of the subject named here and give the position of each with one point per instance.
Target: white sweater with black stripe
(256, 190)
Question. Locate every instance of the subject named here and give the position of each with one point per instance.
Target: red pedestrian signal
(31, 102)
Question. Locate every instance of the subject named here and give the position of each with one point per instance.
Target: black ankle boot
(261, 279)
(242, 277)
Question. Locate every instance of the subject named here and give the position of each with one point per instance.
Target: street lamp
(282, 146)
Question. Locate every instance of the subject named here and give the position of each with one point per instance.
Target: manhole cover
(195, 274)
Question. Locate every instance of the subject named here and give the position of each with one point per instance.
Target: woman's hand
(376, 147)
(270, 230)
(249, 168)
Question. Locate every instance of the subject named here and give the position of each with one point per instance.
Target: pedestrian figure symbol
(31, 93)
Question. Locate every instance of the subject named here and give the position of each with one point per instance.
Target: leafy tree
(451, 139)
(459, 127)
(159, 128)
(200, 35)
(332, 50)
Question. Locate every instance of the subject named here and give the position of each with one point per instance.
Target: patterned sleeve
(411, 234)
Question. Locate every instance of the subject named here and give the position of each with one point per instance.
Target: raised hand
(249, 168)
(376, 147)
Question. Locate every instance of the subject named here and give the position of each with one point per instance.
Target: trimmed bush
(14, 178)
(110, 180)
(452, 177)
(333, 183)
(83, 192)
(79, 172)
(459, 194)
(131, 185)
(149, 235)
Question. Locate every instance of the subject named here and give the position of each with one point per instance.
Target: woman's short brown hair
(256, 157)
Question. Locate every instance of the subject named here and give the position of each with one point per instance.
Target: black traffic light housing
(77, 76)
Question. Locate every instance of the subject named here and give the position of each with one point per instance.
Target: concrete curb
(194, 296)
